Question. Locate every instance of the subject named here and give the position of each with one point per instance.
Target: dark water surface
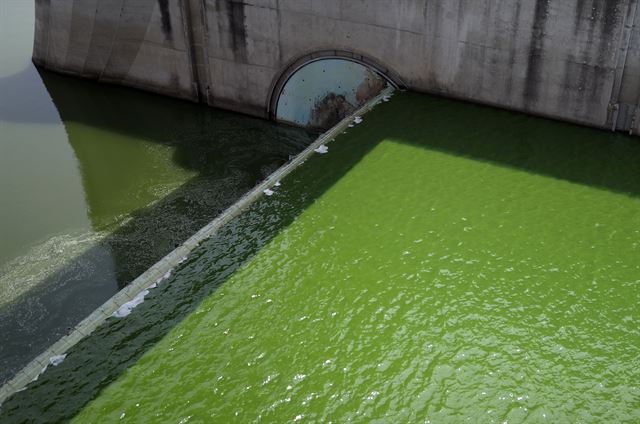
(444, 262)
(99, 182)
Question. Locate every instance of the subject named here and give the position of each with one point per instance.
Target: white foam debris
(386, 98)
(54, 360)
(126, 309)
(350, 125)
(268, 192)
(182, 260)
(277, 184)
(357, 120)
(165, 276)
(57, 359)
(39, 374)
(322, 149)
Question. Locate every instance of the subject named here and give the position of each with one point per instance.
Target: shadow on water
(583, 156)
(227, 154)
(56, 397)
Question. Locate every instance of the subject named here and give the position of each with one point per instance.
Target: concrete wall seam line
(113, 41)
(635, 122)
(187, 26)
(48, 36)
(203, 42)
(27, 374)
(621, 63)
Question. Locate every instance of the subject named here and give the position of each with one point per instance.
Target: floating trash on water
(322, 149)
(39, 374)
(350, 125)
(268, 192)
(165, 276)
(386, 98)
(357, 120)
(126, 309)
(277, 184)
(54, 360)
(57, 359)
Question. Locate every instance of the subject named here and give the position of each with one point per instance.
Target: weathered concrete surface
(140, 43)
(576, 60)
(629, 95)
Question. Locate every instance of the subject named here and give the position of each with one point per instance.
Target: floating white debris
(277, 184)
(322, 149)
(350, 125)
(39, 374)
(126, 309)
(268, 192)
(357, 120)
(57, 359)
(386, 98)
(164, 277)
(54, 360)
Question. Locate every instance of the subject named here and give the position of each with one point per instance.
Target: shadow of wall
(227, 153)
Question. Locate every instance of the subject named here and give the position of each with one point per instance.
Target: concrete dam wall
(575, 60)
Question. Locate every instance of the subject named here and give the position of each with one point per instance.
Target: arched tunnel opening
(319, 92)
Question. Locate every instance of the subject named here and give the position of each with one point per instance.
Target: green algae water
(442, 263)
(98, 182)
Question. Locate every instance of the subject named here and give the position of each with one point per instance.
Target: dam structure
(571, 60)
(398, 246)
